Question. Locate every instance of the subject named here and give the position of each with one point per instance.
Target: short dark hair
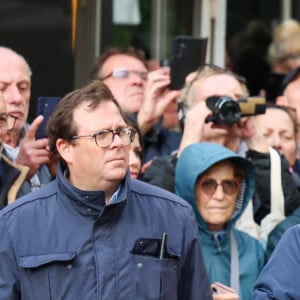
(109, 52)
(61, 123)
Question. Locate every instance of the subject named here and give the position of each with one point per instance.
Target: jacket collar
(91, 203)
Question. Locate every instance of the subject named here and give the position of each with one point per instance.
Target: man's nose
(13, 95)
(136, 78)
(276, 141)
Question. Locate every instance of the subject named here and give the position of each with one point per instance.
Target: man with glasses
(95, 233)
(142, 93)
(20, 144)
(12, 176)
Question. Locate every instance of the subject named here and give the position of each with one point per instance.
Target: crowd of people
(117, 202)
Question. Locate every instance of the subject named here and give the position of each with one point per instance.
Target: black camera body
(226, 111)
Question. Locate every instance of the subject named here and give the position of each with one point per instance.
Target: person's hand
(157, 98)
(222, 292)
(146, 165)
(34, 153)
(194, 125)
(247, 129)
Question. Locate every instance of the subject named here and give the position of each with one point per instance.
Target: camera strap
(234, 264)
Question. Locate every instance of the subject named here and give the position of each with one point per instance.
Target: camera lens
(225, 110)
(229, 111)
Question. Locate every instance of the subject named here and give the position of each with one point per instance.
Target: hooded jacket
(194, 161)
(64, 243)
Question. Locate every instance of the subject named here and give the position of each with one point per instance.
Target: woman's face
(216, 192)
(277, 127)
(135, 157)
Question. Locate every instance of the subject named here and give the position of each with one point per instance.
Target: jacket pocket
(156, 279)
(49, 276)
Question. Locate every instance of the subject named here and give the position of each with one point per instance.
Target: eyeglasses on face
(104, 138)
(229, 186)
(292, 56)
(7, 122)
(125, 73)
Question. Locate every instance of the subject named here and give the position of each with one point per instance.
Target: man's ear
(64, 148)
(282, 100)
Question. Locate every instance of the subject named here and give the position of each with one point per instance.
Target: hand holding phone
(189, 53)
(222, 292)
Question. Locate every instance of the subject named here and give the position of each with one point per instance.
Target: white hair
(9, 51)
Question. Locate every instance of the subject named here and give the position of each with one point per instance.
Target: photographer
(242, 137)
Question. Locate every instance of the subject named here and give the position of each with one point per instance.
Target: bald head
(7, 52)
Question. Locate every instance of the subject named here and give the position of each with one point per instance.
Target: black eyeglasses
(125, 73)
(209, 186)
(104, 138)
(7, 122)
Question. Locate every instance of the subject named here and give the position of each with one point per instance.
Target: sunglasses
(229, 186)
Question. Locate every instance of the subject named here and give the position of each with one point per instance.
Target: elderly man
(12, 176)
(95, 233)
(20, 144)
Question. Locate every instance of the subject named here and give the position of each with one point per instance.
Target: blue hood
(195, 160)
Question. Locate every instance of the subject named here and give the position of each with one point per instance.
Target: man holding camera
(242, 137)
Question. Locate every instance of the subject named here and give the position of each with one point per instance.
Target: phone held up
(189, 53)
(44, 107)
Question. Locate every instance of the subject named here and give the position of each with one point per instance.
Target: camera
(226, 111)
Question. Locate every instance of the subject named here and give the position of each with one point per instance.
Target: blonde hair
(285, 40)
(208, 70)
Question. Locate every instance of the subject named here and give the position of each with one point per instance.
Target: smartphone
(189, 53)
(44, 107)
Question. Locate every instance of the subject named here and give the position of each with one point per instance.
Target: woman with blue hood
(218, 184)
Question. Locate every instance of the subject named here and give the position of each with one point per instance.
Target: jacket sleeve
(9, 285)
(162, 172)
(261, 199)
(280, 277)
(193, 284)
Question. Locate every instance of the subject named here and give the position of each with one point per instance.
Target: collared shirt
(115, 196)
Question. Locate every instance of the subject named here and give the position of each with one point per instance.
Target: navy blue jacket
(280, 277)
(64, 243)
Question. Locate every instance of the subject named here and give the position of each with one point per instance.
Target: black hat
(289, 78)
